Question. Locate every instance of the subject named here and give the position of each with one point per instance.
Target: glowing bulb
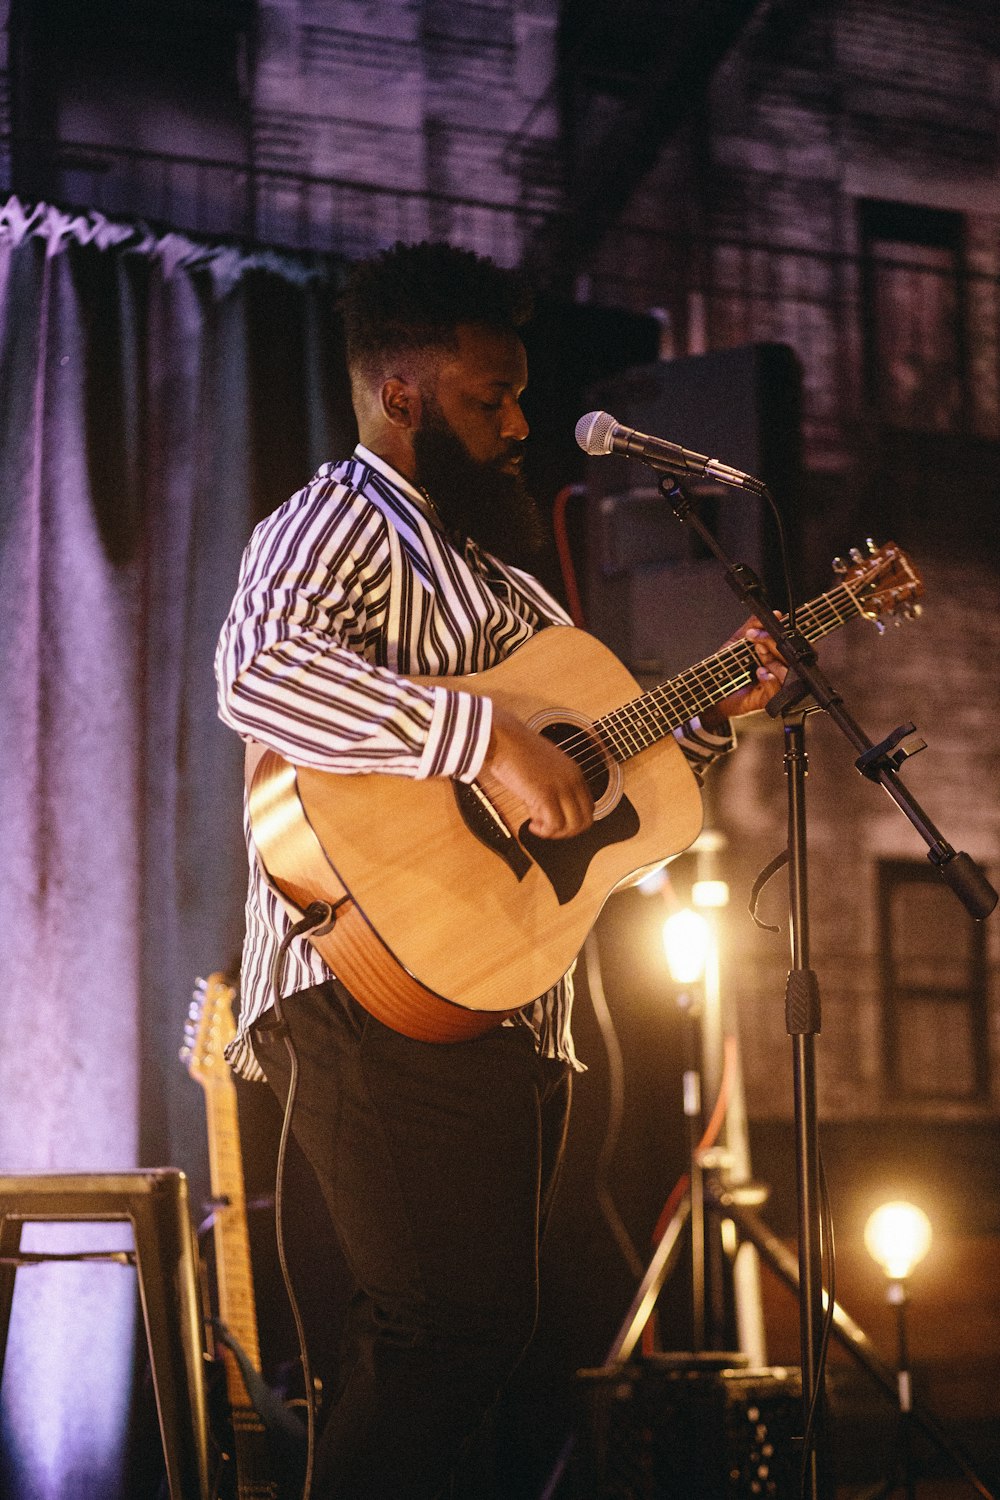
(686, 939)
(710, 893)
(897, 1236)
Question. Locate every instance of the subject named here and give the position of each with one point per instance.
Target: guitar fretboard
(237, 1307)
(646, 720)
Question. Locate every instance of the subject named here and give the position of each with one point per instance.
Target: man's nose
(515, 425)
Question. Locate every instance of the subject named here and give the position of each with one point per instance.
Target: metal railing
(257, 204)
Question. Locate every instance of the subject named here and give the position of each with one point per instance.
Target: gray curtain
(158, 396)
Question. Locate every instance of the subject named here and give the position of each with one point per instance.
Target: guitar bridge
(485, 824)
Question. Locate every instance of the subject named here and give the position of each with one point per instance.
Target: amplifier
(672, 1427)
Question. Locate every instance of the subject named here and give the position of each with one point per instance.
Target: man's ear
(401, 404)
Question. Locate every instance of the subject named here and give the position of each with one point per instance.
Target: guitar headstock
(209, 1029)
(883, 582)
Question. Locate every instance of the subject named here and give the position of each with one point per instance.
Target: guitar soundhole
(583, 746)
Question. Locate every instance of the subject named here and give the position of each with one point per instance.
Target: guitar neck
(210, 1027)
(648, 719)
(237, 1306)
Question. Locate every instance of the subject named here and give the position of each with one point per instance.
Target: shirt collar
(410, 490)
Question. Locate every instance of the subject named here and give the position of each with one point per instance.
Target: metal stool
(155, 1202)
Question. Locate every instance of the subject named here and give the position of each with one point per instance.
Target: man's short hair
(414, 297)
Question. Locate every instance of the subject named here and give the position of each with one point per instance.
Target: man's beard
(474, 499)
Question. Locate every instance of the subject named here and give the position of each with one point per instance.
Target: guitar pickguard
(488, 829)
(566, 861)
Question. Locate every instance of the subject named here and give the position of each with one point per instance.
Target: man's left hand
(770, 676)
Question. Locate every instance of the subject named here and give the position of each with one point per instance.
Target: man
(437, 1161)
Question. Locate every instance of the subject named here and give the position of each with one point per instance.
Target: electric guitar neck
(210, 1028)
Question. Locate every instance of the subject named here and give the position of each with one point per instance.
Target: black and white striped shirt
(344, 591)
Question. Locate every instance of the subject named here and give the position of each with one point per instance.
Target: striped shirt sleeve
(702, 746)
(289, 666)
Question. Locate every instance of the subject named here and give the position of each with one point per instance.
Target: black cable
(786, 573)
(317, 915)
(829, 1253)
(616, 1105)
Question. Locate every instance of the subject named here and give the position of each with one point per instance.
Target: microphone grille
(593, 432)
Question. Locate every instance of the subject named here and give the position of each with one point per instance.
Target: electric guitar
(209, 1030)
(449, 913)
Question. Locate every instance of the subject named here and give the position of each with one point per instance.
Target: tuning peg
(839, 565)
(856, 555)
(870, 544)
(880, 626)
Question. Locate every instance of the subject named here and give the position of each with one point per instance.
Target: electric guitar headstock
(209, 1029)
(882, 583)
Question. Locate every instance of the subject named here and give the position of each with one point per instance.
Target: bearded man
(437, 1161)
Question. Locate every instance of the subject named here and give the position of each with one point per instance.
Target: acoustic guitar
(209, 1030)
(449, 912)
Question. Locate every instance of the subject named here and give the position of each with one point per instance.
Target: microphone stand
(807, 690)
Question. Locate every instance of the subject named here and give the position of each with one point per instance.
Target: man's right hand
(549, 783)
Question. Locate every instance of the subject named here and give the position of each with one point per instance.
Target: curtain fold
(158, 397)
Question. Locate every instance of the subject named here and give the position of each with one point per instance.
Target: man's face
(469, 445)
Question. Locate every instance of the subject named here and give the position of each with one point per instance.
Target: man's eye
(490, 405)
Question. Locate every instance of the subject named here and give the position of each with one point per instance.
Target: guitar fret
(630, 722)
(613, 741)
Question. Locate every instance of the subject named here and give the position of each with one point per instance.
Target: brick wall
(444, 98)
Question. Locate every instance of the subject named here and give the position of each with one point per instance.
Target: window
(913, 300)
(933, 960)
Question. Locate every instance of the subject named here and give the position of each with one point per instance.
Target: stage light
(897, 1237)
(686, 941)
(710, 894)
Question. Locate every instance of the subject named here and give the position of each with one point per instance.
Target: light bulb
(710, 893)
(686, 937)
(897, 1236)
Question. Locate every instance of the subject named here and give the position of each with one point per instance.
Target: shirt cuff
(724, 741)
(459, 736)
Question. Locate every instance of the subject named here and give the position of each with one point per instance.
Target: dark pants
(437, 1163)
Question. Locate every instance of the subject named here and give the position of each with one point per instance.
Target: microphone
(598, 433)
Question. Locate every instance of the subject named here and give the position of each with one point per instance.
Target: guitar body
(441, 933)
(450, 913)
